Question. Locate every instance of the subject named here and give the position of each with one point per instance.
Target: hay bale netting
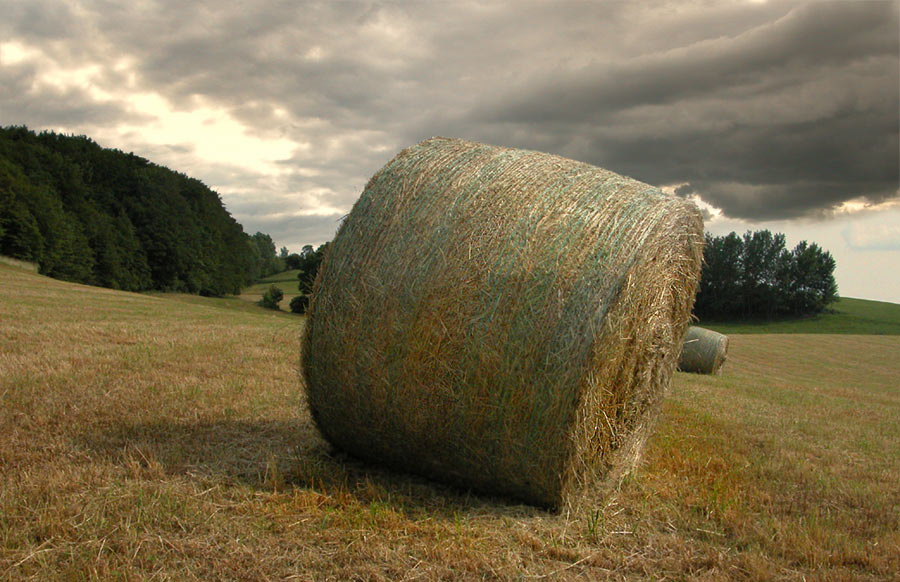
(502, 319)
(703, 352)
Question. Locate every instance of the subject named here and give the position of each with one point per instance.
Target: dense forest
(756, 276)
(103, 217)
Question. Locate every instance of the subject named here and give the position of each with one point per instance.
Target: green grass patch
(286, 278)
(846, 316)
(287, 281)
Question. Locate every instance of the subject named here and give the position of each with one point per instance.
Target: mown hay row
(704, 351)
(502, 319)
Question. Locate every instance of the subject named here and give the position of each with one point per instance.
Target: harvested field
(162, 437)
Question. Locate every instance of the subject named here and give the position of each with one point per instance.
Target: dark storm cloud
(771, 110)
(787, 119)
(36, 20)
(312, 59)
(823, 37)
(22, 104)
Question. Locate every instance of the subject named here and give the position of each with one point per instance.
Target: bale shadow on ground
(233, 450)
(283, 455)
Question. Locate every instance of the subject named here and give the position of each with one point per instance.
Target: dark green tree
(755, 276)
(309, 263)
(762, 253)
(719, 290)
(269, 263)
(104, 217)
(299, 304)
(20, 236)
(271, 298)
(292, 261)
(811, 286)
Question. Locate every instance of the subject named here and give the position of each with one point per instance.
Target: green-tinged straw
(503, 319)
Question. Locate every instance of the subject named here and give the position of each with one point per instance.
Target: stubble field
(164, 437)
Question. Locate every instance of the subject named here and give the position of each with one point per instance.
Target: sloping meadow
(165, 437)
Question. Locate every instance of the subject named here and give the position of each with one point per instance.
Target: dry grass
(164, 437)
(503, 319)
(33, 267)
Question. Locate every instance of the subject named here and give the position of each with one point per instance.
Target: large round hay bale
(703, 351)
(502, 319)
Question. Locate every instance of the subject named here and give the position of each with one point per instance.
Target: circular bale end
(501, 319)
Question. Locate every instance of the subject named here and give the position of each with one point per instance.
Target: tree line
(753, 276)
(756, 276)
(103, 217)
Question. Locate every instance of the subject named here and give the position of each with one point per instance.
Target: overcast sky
(778, 115)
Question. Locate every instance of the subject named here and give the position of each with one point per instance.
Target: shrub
(299, 304)
(271, 298)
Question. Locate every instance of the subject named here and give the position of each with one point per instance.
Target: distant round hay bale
(704, 351)
(501, 319)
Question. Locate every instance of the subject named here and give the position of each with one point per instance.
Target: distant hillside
(107, 218)
(846, 316)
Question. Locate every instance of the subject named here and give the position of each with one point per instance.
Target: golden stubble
(165, 437)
